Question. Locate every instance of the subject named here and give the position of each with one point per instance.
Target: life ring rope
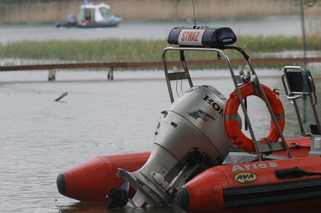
(230, 116)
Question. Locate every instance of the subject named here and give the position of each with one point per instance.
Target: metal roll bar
(250, 78)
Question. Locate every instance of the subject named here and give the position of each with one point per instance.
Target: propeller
(118, 196)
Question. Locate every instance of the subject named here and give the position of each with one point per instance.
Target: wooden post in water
(110, 75)
(52, 75)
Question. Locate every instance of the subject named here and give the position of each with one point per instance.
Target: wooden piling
(51, 75)
(110, 75)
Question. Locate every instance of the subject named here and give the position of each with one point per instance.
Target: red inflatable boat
(255, 187)
(201, 157)
(93, 179)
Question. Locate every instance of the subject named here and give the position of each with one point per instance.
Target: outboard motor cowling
(190, 137)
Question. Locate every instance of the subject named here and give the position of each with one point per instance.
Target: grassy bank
(154, 9)
(114, 50)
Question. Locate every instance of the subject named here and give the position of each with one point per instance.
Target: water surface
(272, 25)
(41, 138)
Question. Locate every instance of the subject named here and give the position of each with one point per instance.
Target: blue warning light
(201, 37)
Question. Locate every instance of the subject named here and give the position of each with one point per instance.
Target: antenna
(194, 21)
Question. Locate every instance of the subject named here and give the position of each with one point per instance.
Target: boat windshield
(105, 12)
(86, 15)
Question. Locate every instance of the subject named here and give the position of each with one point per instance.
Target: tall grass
(154, 9)
(115, 50)
(109, 50)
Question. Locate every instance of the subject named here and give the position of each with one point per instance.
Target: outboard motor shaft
(190, 137)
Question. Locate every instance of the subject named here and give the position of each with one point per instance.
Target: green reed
(134, 50)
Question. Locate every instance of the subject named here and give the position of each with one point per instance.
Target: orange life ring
(232, 127)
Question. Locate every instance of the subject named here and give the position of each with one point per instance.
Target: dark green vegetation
(114, 50)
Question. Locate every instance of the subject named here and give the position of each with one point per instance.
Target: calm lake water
(41, 138)
(274, 25)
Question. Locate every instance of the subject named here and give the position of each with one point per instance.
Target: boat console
(298, 84)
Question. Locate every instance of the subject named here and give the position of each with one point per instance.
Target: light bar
(201, 37)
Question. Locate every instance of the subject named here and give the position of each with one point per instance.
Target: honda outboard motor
(190, 137)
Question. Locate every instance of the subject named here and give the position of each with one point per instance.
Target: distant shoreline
(154, 10)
